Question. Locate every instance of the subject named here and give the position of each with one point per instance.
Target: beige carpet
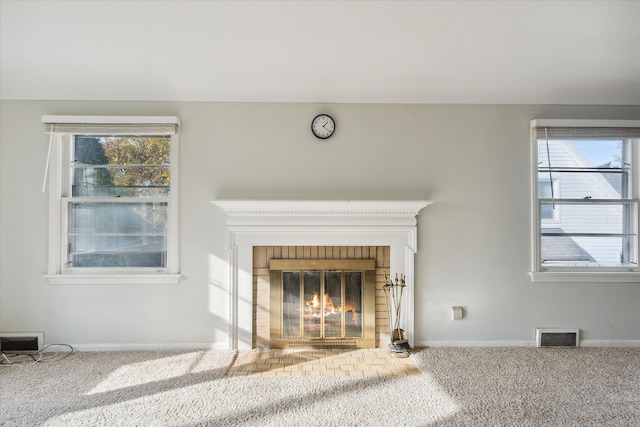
(458, 386)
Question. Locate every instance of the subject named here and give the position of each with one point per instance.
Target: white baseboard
(417, 344)
(454, 343)
(531, 343)
(610, 343)
(151, 347)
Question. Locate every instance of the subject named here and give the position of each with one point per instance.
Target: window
(587, 228)
(113, 183)
(547, 213)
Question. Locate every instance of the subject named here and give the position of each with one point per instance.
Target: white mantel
(252, 223)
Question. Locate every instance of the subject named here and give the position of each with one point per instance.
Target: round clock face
(323, 126)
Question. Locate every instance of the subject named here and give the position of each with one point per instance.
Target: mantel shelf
(265, 211)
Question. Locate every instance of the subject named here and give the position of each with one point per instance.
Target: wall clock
(323, 126)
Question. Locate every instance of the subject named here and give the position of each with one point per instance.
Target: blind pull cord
(46, 166)
(553, 199)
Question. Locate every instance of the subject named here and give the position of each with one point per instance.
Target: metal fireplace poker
(393, 290)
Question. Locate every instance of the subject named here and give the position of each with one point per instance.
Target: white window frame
(569, 274)
(62, 130)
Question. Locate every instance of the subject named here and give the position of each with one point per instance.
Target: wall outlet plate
(12, 342)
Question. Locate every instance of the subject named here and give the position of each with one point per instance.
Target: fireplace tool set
(393, 290)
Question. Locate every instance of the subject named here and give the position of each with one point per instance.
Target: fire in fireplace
(337, 314)
(322, 303)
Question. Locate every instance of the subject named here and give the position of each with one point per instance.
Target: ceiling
(463, 52)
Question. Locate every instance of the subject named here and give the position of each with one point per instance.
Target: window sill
(592, 277)
(113, 279)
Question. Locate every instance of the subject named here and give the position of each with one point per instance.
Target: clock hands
(328, 122)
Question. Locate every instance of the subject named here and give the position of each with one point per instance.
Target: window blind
(575, 133)
(112, 125)
(569, 129)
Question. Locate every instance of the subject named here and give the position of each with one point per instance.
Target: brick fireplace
(259, 231)
(267, 275)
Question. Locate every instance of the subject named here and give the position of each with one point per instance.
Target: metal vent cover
(21, 341)
(557, 337)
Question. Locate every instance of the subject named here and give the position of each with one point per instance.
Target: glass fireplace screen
(322, 304)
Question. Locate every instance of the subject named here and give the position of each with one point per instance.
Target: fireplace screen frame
(366, 266)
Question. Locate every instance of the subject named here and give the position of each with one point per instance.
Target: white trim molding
(584, 123)
(113, 279)
(584, 277)
(471, 343)
(523, 343)
(197, 346)
(314, 223)
(321, 212)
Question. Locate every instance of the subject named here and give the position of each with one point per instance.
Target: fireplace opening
(322, 303)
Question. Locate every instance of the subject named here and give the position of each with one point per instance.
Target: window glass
(121, 167)
(117, 234)
(544, 192)
(108, 226)
(593, 211)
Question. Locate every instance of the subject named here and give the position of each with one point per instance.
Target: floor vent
(21, 341)
(323, 344)
(554, 337)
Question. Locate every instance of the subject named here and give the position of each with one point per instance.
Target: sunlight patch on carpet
(271, 402)
(154, 370)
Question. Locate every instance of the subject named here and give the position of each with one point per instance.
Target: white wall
(472, 161)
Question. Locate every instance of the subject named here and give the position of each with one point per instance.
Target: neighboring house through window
(113, 183)
(587, 228)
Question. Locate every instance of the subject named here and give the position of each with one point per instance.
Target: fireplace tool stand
(393, 290)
